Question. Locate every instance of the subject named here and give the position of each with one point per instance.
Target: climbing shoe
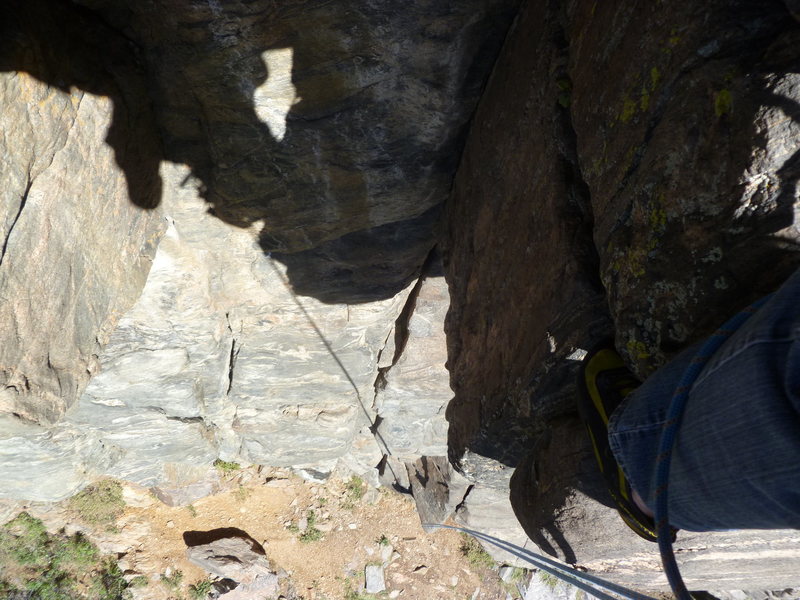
(603, 383)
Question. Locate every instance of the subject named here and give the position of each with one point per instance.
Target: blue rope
(589, 583)
(668, 435)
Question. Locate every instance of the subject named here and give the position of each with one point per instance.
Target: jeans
(736, 460)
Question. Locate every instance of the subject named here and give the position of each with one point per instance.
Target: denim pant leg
(736, 461)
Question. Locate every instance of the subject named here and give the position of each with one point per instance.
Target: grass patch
(311, 534)
(55, 567)
(173, 581)
(242, 493)
(517, 577)
(139, 581)
(100, 503)
(192, 510)
(200, 590)
(474, 553)
(227, 467)
(354, 491)
(353, 593)
(382, 541)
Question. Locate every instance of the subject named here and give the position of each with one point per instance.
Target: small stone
(394, 593)
(505, 572)
(170, 524)
(386, 553)
(352, 526)
(454, 581)
(375, 582)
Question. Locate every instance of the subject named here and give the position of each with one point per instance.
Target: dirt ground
(355, 526)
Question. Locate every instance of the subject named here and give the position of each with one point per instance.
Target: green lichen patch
(723, 103)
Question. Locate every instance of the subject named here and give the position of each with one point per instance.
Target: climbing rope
(668, 436)
(599, 588)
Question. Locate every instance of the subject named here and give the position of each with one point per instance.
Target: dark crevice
(22, 203)
(461, 505)
(198, 420)
(232, 357)
(578, 192)
(401, 323)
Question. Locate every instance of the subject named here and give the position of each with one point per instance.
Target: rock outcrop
(629, 170)
(218, 237)
(75, 249)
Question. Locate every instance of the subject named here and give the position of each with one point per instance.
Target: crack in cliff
(401, 325)
(232, 357)
(23, 202)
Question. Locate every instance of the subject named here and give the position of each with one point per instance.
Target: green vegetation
(549, 580)
(354, 491)
(382, 541)
(475, 554)
(227, 467)
(311, 534)
(173, 581)
(517, 576)
(352, 593)
(242, 493)
(192, 510)
(55, 567)
(99, 503)
(723, 103)
(200, 590)
(139, 581)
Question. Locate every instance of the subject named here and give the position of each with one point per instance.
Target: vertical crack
(401, 325)
(22, 203)
(234, 354)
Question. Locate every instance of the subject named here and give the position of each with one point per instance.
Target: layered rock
(332, 130)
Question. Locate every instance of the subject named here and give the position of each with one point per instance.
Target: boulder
(239, 558)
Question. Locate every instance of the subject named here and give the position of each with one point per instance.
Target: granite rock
(553, 240)
(75, 250)
(690, 156)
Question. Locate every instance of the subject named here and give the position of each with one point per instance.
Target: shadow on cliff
(59, 45)
(494, 414)
(244, 158)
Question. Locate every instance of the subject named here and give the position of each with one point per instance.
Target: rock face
(327, 133)
(690, 155)
(629, 171)
(75, 250)
(316, 121)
